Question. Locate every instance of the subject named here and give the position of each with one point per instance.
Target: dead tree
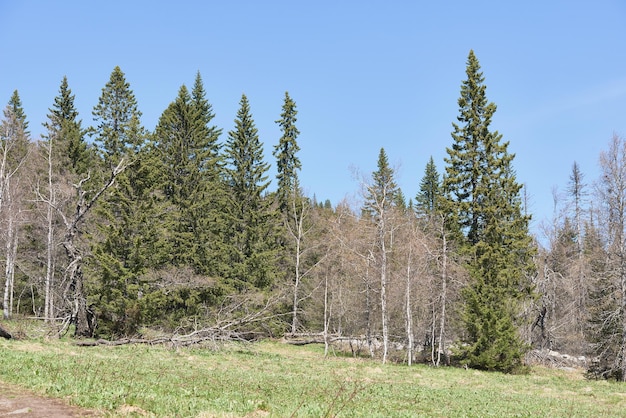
(74, 273)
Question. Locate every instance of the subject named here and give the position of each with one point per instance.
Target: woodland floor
(15, 401)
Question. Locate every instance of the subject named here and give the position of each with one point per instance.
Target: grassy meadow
(275, 379)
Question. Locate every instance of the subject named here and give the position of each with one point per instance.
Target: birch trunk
(409, 316)
(444, 289)
(383, 288)
(49, 281)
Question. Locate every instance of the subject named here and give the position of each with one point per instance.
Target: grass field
(275, 379)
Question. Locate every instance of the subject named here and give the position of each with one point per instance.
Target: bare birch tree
(609, 311)
(13, 153)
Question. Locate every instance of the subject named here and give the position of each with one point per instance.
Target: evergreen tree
(484, 198)
(15, 104)
(383, 192)
(128, 219)
(430, 190)
(287, 163)
(117, 117)
(187, 153)
(70, 152)
(252, 241)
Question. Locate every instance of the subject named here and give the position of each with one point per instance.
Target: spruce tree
(287, 162)
(117, 117)
(189, 165)
(484, 199)
(15, 104)
(70, 151)
(128, 220)
(251, 244)
(430, 190)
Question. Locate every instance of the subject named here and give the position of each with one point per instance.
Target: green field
(276, 379)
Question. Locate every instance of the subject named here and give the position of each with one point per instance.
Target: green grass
(274, 379)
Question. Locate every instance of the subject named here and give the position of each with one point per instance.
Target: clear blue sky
(364, 75)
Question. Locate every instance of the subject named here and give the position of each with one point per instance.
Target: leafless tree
(85, 200)
(611, 316)
(13, 154)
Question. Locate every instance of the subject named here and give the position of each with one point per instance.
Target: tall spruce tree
(287, 162)
(251, 244)
(188, 156)
(484, 199)
(128, 219)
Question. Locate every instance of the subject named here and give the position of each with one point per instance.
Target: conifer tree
(190, 165)
(430, 190)
(117, 117)
(484, 198)
(15, 104)
(287, 162)
(128, 220)
(251, 244)
(70, 152)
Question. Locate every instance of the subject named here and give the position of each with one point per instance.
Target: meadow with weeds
(275, 379)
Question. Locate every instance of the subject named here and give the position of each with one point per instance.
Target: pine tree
(287, 162)
(484, 197)
(251, 245)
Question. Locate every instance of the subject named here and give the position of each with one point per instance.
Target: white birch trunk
(444, 289)
(383, 289)
(409, 316)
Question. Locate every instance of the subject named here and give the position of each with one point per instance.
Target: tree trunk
(383, 292)
(296, 283)
(9, 268)
(49, 281)
(444, 286)
(326, 315)
(409, 316)
(368, 310)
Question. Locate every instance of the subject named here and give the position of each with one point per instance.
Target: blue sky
(364, 75)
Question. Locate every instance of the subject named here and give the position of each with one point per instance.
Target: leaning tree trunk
(84, 327)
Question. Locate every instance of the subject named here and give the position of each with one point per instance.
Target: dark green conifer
(117, 117)
(483, 197)
(251, 243)
(129, 222)
(287, 162)
(15, 104)
(190, 165)
(430, 190)
(70, 151)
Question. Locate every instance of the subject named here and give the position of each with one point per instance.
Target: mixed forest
(113, 229)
